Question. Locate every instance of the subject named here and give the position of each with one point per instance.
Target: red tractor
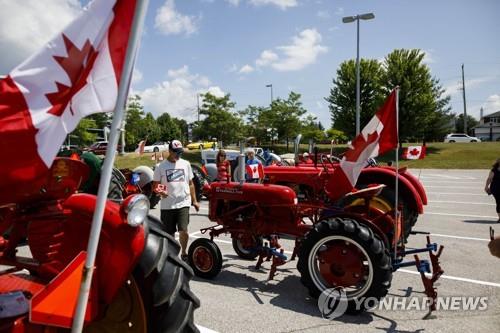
(352, 249)
(139, 284)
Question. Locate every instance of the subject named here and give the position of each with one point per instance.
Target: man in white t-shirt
(173, 181)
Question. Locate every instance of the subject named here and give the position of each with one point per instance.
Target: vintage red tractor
(336, 247)
(140, 284)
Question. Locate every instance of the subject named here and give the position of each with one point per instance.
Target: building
(489, 127)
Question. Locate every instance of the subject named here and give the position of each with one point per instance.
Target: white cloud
(456, 87)
(246, 69)
(170, 22)
(136, 76)
(428, 57)
(25, 26)
(323, 14)
(303, 51)
(339, 11)
(233, 2)
(336, 27)
(282, 4)
(266, 57)
(492, 104)
(177, 95)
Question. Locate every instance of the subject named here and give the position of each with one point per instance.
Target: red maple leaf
(359, 145)
(77, 65)
(414, 151)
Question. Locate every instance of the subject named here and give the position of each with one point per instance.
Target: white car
(156, 147)
(460, 137)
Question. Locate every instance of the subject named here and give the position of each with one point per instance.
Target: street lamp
(349, 19)
(270, 86)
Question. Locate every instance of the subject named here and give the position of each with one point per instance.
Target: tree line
(424, 110)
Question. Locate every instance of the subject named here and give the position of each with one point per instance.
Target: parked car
(202, 145)
(460, 137)
(99, 148)
(156, 147)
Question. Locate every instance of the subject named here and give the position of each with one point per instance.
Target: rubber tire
(155, 150)
(373, 245)
(198, 181)
(451, 141)
(163, 280)
(247, 255)
(214, 252)
(116, 185)
(153, 200)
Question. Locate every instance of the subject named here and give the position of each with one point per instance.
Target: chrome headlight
(136, 208)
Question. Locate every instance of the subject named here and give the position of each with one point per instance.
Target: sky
(241, 46)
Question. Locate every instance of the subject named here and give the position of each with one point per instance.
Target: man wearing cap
(173, 180)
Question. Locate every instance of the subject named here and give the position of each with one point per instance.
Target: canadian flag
(74, 75)
(414, 152)
(255, 171)
(140, 147)
(377, 137)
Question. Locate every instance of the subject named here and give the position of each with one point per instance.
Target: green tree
(311, 129)
(285, 116)
(337, 135)
(183, 129)
(342, 99)
(168, 128)
(82, 134)
(220, 122)
(459, 123)
(133, 127)
(423, 111)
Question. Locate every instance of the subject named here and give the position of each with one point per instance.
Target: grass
(439, 156)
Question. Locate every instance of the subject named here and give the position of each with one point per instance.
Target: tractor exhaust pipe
(241, 165)
(296, 148)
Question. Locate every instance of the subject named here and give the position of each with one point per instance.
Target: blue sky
(238, 47)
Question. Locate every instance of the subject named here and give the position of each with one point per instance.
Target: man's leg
(167, 217)
(182, 226)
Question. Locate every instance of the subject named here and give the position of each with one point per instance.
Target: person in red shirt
(223, 167)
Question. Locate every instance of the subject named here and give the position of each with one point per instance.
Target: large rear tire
(341, 252)
(163, 279)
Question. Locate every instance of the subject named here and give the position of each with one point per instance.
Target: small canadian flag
(255, 171)
(414, 152)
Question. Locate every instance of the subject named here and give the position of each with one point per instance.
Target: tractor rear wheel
(247, 246)
(163, 280)
(341, 252)
(205, 258)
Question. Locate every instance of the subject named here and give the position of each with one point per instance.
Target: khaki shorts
(175, 219)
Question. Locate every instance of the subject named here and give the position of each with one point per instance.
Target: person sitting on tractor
(307, 159)
(254, 172)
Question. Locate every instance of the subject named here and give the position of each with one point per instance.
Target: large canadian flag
(74, 75)
(377, 137)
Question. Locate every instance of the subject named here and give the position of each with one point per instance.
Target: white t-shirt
(176, 177)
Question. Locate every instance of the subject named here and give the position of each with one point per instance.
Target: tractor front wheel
(341, 252)
(205, 258)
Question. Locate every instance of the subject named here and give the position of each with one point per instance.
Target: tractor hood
(249, 192)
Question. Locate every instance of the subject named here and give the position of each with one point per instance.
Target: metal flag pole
(396, 203)
(118, 115)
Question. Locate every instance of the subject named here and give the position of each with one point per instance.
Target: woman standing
(493, 185)
(223, 167)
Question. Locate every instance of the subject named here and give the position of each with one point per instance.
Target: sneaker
(184, 257)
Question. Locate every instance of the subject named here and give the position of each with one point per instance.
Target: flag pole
(118, 115)
(396, 198)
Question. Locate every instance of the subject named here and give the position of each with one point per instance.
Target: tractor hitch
(424, 268)
(270, 251)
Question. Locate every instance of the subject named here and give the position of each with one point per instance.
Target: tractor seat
(368, 192)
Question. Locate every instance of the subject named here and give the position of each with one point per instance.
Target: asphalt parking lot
(458, 216)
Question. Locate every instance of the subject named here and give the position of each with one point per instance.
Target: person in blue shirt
(254, 172)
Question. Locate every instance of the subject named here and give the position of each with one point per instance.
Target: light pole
(270, 86)
(349, 19)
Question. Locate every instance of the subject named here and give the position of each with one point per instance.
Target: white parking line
(444, 186)
(460, 237)
(456, 278)
(463, 215)
(455, 193)
(462, 202)
(205, 330)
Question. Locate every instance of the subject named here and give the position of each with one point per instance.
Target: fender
(386, 176)
(120, 245)
(414, 181)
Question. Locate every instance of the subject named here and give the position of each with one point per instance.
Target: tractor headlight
(136, 208)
